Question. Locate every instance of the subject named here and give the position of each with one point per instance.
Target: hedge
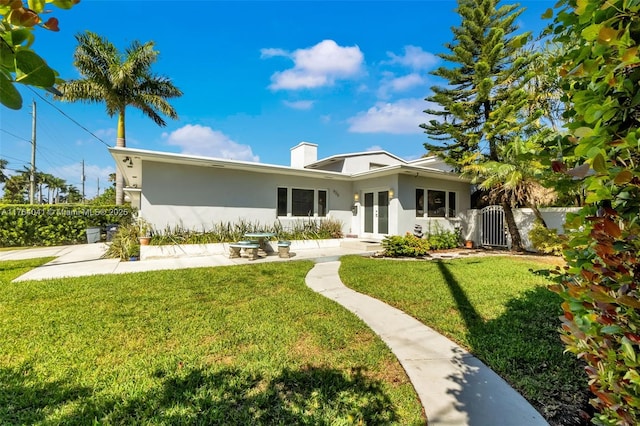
(48, 225)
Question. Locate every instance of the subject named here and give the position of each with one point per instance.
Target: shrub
(407, 245)
(125, 243)
(441, 239)
(57, 224)
(601, 284)
(546, 240)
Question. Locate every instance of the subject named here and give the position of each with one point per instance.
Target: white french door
(376, 214)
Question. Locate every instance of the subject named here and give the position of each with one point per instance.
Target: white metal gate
(493, 229)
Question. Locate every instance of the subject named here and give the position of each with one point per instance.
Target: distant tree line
(49, 189)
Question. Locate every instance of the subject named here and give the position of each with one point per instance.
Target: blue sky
(258, 78)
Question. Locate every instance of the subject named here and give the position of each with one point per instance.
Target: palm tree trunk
(120, 142)
(538, 215)
(516, 240)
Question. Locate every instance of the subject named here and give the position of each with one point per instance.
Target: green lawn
(234, 345)
(498, 308)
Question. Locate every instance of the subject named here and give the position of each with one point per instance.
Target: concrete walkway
(86, 259)
(455, 388)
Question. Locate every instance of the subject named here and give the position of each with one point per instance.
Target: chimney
(304, 154)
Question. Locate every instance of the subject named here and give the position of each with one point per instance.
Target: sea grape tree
(600, 285)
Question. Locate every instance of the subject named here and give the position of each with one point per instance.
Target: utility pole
(32, 176)
(98, 193)
(83, 179)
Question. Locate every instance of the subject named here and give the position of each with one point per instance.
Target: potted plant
(144, 232)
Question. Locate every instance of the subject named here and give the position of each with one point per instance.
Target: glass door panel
(368, 212)
(383, 212)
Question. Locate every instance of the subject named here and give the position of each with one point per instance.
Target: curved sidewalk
(455, 388)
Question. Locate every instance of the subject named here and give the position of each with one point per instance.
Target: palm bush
(125, 244)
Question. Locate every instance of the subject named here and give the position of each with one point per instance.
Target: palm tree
(49, 180)
(513, 182)
(16, 188)
(3, 165)
(73, 194)
(56, 184)
(119, 80)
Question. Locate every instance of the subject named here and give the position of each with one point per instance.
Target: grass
(496, 307)
(234, 345)
(11, 269)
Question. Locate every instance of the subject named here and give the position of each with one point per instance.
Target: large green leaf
(18, 36)
(36, 5)
(9, 95)
(599, 164)
(64, 4)
(7, 58)
(591, 32)
(33, 70)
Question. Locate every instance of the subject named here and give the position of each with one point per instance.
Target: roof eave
(413, 171)
(163, 157)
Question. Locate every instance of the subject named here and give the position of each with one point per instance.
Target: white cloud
(316, 66)
(414, 57)
(399, 84)
(203, 140)
(303, 105)
(374, 148)
(406, 82)
(105, 133)
(401, 117)
(271, 52)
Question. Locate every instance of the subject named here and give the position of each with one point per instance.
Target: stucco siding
(199, 197)
(364, 162)
(407, 199)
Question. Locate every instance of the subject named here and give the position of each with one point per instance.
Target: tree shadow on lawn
(523, 346)
(310, 395)
(26, 399)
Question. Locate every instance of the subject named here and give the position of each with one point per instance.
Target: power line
(15, 136)
(13, 158)
(69, 117)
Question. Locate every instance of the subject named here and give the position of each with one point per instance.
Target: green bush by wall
(49, 225)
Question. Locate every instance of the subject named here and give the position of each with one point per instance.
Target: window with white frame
(300, 202)
(435, 203)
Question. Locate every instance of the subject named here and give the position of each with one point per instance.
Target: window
(302, 202)
(452, 204)
(282, 201)
(419, 202)
(322, 203)
(438, 203)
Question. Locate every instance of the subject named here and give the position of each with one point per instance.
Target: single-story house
(372, 194)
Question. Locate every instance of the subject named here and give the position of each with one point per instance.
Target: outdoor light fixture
(356, 197)
(391, 193)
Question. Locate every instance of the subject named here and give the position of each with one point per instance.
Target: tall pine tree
(481, 108)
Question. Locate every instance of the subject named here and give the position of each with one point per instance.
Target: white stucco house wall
(372, 194)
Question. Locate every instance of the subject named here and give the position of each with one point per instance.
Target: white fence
(472, 224)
